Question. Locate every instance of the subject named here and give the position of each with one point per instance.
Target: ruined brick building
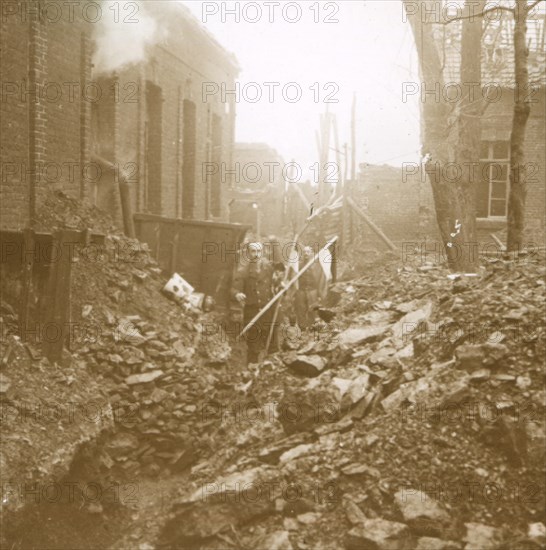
(400, 199)
(63, 108)
(498, 93)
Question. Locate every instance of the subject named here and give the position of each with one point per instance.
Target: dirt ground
(410, 416)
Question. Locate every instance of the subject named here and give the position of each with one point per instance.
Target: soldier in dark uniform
(252, 288)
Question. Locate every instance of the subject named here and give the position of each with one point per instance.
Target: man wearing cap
(252, 288)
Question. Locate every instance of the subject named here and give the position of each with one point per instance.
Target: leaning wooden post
(29, 251)
(369, 221)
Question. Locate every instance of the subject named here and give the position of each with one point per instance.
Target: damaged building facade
(79, 125)
(400, 199)
(161, 126)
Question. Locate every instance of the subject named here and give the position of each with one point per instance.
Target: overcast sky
(368, 51)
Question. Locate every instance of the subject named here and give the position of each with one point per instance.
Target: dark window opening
(188, 158)
(216, 183)
(153, 137)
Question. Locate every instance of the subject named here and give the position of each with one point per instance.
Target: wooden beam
(59, 307)
(29, 251)
(353, 139)
(498, 241)
(369, 221)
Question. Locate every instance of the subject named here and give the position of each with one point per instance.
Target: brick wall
(45, 118)
(178, 65)
(14, 114)
(535, 151)
(46, 139)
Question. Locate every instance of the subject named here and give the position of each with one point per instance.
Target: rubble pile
(130, 378)
(410, 416)
(413, 419)
(48, 412)
(161, 381)
(148, 349)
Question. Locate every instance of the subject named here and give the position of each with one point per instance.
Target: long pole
(284, 290)
(297, 237)
(369, 221)
(345, 162)
(277, 305)
(339, 185)
(353, 140)
(285, 278)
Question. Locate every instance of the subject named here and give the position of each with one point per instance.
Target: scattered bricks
(537, 532)
(140, 276)
(271, 454)
(307, 365)
(5, 383)
(353, 337)
(378, 534)
(421, 512)
(430, 543)
(481, 537)
(353, 512)
(470, 356)
(145, 378)
(494, 352)
(360, 470)
(159, 395)
(121, 444)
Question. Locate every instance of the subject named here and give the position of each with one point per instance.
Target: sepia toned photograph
(272, 275)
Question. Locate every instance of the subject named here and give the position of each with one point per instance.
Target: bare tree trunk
(446, 140)
(469, 134)
(522, 108)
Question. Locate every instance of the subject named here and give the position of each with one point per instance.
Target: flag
(326, 275)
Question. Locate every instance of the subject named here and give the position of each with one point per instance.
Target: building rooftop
(497, 50)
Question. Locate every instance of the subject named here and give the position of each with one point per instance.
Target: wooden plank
(26, 291)
(174, 249)
(368, 220)
(498, 241)
(58, 314)
(197, 223)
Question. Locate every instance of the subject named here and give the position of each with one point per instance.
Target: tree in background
(452, 135)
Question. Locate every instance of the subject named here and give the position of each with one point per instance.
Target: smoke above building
(123, 35)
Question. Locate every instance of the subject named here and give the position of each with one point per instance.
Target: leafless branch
(531, 6)
(481, 14)
(484, 12)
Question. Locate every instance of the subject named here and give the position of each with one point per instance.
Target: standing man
(252, 288)
(307, 295)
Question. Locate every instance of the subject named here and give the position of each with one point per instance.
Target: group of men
(258, 278)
